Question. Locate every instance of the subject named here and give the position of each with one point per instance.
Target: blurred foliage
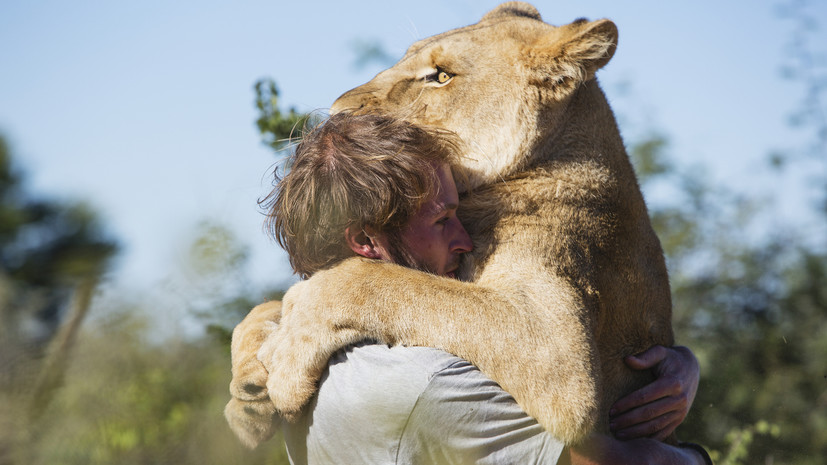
(220, 293)
(755, 310)
(805, 63)
(739, 441)
(276, 127)
(125, 396)
(129, 401)
(48, 250)
(46, 246)
(755, 314)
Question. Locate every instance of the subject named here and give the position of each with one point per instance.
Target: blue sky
(145, 109)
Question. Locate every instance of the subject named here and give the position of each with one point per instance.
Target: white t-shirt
(413, 405)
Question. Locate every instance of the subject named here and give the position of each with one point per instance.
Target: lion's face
(500, 84)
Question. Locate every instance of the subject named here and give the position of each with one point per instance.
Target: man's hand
(655, 410)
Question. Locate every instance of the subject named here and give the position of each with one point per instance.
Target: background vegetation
(750, 299)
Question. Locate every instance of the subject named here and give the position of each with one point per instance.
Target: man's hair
(354, 171)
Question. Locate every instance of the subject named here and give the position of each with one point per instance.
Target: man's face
(434, 239)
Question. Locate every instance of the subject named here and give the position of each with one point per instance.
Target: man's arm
(462, 415)
(599, 449)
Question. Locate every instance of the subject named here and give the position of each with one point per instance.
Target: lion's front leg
(250, 413)
(296, 354)
(356, 300)
(512, 333)
(249, 375)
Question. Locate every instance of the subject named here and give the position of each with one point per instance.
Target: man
(383, 189)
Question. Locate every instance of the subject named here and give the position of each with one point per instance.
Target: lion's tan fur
(250, 413)
(567, 276)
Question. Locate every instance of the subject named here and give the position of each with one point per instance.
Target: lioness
(567, 276)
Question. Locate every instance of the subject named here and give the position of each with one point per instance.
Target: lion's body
(566, 277)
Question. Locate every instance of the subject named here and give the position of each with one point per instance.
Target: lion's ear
(572, 54)
(592, 44)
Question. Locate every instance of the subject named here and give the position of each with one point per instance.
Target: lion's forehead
(503, 31)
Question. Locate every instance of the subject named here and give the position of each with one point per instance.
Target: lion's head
(502, 84)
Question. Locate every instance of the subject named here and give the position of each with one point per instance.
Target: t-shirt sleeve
(464, 417)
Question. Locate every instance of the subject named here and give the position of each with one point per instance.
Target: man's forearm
(600, 449)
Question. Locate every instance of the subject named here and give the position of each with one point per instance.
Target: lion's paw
(253, 422)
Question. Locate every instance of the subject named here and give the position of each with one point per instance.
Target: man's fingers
(669, 429)
(658, 428)
(647, 359)
(649, 412)
(659, 389)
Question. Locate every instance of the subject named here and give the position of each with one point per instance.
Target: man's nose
(462, 241)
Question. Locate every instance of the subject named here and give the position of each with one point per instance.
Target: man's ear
(360, 243)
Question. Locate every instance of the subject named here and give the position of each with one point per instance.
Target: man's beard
(401, 255)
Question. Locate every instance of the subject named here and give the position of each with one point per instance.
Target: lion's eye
(440, 76)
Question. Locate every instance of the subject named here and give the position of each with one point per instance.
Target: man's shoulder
(372, 389)
(374, 379)
(410, 361)
(374, 373)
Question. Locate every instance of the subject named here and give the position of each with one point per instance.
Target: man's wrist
(698, 449)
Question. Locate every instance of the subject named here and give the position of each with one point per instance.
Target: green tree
(754, 312)
(752, 306)
(52, 255)
(277, 127)
(47, 250)
(220, 294)
(130, 400)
